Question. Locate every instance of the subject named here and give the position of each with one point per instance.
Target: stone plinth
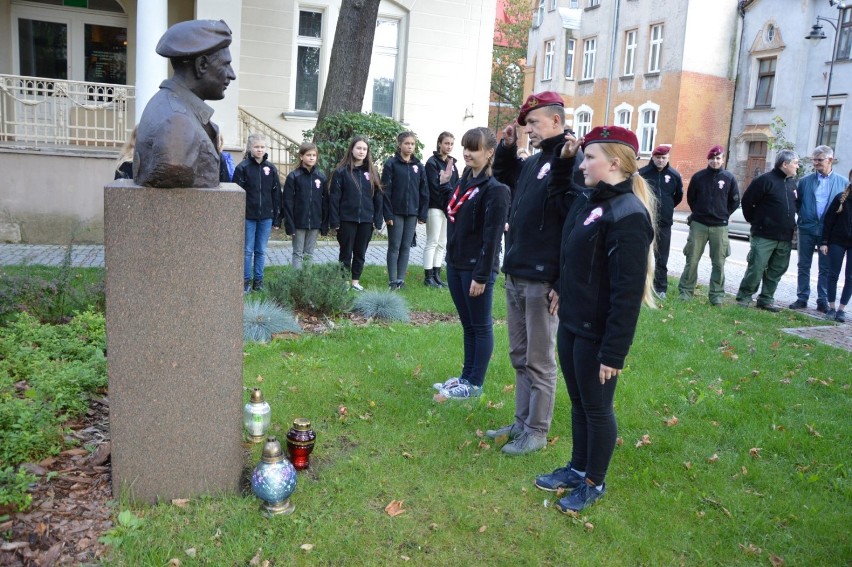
(174, 311)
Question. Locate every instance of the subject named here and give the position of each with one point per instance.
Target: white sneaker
(452, 382)
(357, 287)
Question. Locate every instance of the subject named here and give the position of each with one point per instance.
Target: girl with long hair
(837, 243)
(606, 274)
(355, 206)
(436, 222)
(124, 163)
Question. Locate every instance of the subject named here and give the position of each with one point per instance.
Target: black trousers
(353, 238)
(662, 243)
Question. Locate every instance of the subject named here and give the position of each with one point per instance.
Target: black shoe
(799, 304)
(400, 284)
(830, 314)
(393, 286)
(822, 307)
(429, 279)
(257, 285)
(436, 275)
(840, 317)
(247, 286)
(769, 307)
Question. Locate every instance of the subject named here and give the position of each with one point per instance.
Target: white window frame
(539, 13)
(304, 41)
(547, 67)
(593, 3)
(655, 48)
(647, 129)
(554, 4)
(574, 4)
(399, 56)
(621, 110)
(582, 127)
(589, 50)
(773, 81)
(631, 41)
(570, 51)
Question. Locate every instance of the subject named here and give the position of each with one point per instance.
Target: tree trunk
(350, 57)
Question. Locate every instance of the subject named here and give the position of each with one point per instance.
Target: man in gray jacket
(814, 193)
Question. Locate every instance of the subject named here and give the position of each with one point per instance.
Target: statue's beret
(193, 38)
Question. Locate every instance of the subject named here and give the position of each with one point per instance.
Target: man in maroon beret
(176, 143)
(541, 192)
(668, 188)
(713, 196)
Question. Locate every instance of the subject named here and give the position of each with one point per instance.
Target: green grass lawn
(755, 471)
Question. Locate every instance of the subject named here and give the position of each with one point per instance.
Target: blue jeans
(257, 235)
(807, 244)
(835, 260)
(477, 324)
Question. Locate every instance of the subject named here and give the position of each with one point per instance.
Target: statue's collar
(198, 106)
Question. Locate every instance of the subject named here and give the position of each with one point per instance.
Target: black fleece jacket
(713, 196)
(475, 233)
(262, 185)
(404, 184)
(604, 258)
(542, 190)
(351, 198)
(668, 188)
(837, 227)
(434, 166)
(305, 200)
(769, 204)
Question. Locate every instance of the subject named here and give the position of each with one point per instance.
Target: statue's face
(217, 76)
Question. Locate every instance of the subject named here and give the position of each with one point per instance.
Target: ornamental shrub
(383, 304)
(320, 288)
(262, 318)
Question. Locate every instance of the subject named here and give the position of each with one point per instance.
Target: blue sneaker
(461, 391)
(581, 497)
(563, 477)
(454, 381)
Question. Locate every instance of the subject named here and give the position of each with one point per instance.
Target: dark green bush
(14, 485)
(333, 134)
(320, 288)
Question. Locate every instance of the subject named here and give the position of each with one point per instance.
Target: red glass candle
(300, 443)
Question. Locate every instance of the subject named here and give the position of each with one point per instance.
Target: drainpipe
(736, 56)
(612, 58)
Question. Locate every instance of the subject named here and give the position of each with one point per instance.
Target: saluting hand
(446, 173)
(510, 135)
(572, 144)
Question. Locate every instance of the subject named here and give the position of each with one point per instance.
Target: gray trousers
(399, 245)
(767, 261)
(532, 350)
(304, 243)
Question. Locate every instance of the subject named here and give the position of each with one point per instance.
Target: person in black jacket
(837, 243)
(713, 196)
(476, 209)
(355, 206)
(769, 204)
(406, 202)
(531, 265)
(605, 276)
(305, 204)
(259, 178)
(436, 223)
(668, 189)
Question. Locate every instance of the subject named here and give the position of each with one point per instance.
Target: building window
(655, 49)
(553, 4)
(539, 13)
(309, 44)
(570, 45)
(547, 71)
(830, 125)
(623, 115)
(381, 84)
(574, 4)
(647, 130)
(583, 122)
(629, 51)
(589, 47)
(765, 82)
(844, 42)
(593, 3)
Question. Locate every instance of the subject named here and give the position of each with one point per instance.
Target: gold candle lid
(301, 424)
(272, 452)
(256, 396)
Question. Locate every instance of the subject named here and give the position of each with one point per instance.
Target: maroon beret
(661, 150)
(537, 100)
(612, 135)
(716, 150)
(193, 38)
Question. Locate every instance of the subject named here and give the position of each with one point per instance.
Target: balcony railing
(40, 111)
(280, 148)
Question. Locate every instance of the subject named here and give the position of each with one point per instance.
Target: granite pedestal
(174, 311)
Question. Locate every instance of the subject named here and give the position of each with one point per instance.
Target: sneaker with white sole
(454, 381)
(461, 391)
(525, 443)
(512, 431)
(563, 477)
(357, 287)
(581, 497)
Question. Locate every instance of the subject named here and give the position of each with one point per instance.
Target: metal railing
(40, 111)
(280, 148)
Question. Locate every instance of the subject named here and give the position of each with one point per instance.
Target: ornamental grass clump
(263, 318)
(383, 305)
(320, 288)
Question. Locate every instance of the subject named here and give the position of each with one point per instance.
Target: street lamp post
(817, 35)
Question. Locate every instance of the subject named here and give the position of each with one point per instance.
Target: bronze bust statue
(176, 143)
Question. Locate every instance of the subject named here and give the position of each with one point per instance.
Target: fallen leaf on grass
(259, 378)
(812, 430)
(405, 558)
(713, 459)
(366, 417)
(306, 546)
(552, 441)
(256, 559)
(191, 552)
(492, 405)
(440, 398)
(180, 502)
(508, 388)
(433, 526)
(484, 445)
(754, 452)
(646, 440)
(173, 562)
(465, 444)
(672, 422)
(776, 560)
(750, 549)
(408, 455)
(744, 471)
(687, 465)
(482, 529)
(394, 509)
(619, 441)
(342, 411)
(479, 433)
(589, 526)
(416, 371)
